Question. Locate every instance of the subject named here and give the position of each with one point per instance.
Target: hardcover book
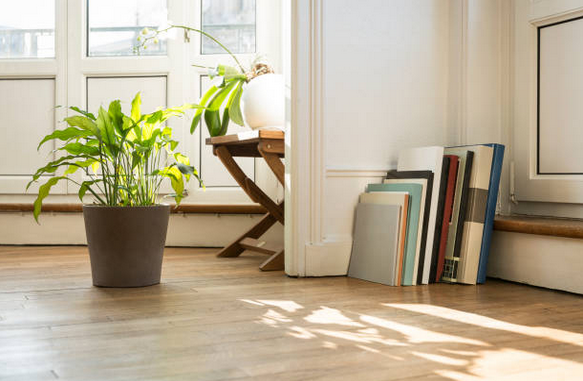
(415, 192)
(475, 215)
(447, 213)
(420, 159)
(393, 198)
(422, 229)
(404, 176)
(439, 222)
(375, 246)
(496, 172)
(456, 227)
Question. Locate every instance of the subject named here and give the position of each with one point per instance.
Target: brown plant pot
(126, 244)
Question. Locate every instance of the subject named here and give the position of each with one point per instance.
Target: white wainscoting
(544, 261)
(28, 114)
(194, 230)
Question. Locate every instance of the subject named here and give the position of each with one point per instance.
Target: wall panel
(27, 114)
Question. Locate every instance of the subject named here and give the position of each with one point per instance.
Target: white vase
(263, 102)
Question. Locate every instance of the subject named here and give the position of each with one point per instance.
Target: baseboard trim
(328, 258)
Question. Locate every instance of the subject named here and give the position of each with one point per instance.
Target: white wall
(377, 76)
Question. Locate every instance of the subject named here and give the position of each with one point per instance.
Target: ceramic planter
(263, 102)
(126, 244)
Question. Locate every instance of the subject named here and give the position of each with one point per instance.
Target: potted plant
(124, 160)
(253, 96)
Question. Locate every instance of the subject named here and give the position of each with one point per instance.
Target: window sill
(552, 226)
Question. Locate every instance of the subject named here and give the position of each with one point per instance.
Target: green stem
(184, 27)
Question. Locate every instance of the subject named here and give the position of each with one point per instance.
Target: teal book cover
(412, 223)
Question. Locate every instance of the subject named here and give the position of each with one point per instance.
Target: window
(545, 164)
(114, 26)
(232, 22)
(27, 29)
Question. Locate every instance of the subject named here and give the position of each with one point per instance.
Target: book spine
(448, 210)
(439, 218)
(497, 163)
(472, 235)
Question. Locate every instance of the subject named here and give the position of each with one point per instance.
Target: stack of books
(431, 219)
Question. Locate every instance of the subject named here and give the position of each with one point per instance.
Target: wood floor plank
(223, 319)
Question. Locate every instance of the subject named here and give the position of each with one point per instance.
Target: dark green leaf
(225, 122)
(213, 122)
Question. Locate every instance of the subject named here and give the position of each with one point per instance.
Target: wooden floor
(223, 319)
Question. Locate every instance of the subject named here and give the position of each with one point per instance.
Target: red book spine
(448, 210)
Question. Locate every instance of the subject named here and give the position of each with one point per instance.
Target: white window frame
(41, 68)
(528, 184)
(71, 67)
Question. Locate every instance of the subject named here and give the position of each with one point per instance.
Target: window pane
(27, 28)
(232, 22)
(114, 26)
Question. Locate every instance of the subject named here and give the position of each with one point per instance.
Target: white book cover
(423, 182)
(425, 159)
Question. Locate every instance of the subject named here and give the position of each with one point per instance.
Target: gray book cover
(375, 248)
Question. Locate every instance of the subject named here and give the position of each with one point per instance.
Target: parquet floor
(223, 319)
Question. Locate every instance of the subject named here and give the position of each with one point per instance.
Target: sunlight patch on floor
(490, 323)
(419, 335)
(327, 315)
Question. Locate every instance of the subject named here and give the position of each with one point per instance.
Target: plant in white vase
(252, 97)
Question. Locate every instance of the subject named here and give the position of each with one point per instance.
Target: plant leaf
(235, 105)
(85, 187)
(220, 97)
(136, 108)
(116, 116)
(65, 135)
(203, 101)
(79, 149)
(225, 122)
(83, 112)
(84, 123)
(43, 192)
(213, 122)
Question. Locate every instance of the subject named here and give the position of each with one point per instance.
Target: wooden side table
(270, 146)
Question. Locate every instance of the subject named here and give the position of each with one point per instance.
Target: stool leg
(274, 263)
(234, 249)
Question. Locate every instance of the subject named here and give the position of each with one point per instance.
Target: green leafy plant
(125, 158)
(227, 83)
